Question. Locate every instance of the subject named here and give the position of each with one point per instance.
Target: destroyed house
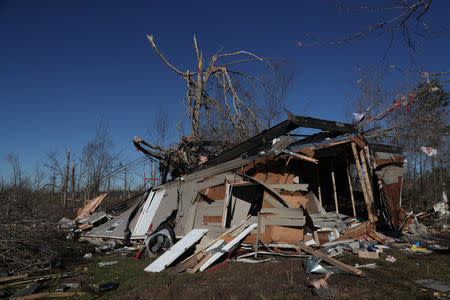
(311, 189)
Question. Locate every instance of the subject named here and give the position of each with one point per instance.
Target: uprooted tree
(221, 104)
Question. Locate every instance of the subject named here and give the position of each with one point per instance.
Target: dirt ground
(282, 279)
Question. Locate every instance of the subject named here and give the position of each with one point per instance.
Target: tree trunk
(66, 179)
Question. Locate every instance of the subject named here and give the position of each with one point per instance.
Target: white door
(147, 213)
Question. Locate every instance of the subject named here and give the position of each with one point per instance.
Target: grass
(283, 279)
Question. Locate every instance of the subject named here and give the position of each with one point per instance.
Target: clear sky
(66, 65)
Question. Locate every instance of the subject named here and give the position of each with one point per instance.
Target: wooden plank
(239, 209)
(226, 203)
(189, 264)
(301, 156)
(355, 232)
(291, 187)
(330, 260)
(368, 182)
(328, 145)
(202, 261)
(11, 278)
(228, 246)
(283, 221)
(283, 212)
(351, 188)
(333, 180)
(363, 185)
(268, 188)
(212, 219)
(50, 295)
(176, 250)
(85, 226)
(258, 235)
(269, 199)
(40, 278)
(375, 236)
(226, 233)
(368, 254)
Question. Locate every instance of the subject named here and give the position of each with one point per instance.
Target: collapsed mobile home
(310, 189)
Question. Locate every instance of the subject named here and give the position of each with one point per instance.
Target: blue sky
(67, 65)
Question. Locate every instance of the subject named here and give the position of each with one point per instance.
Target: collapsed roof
(296, 190)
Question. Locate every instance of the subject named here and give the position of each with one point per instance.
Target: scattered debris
(320, 287)
(390, 258)
(107, 263)
(105, 287)
(368, 254)
(28, 290)
(433, 285)
(269, 195)
(369, 266)
(87, 256)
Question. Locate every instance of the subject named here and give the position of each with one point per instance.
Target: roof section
(266, 137)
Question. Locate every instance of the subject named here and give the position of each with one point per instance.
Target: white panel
(228, 246)
(225, 205)
(240, 210)
(147, 213)
(176, 250)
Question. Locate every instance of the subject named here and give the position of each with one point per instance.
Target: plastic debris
(107, 263)
(433, 285)
(107, 287)
(87, 256)
(391, 258)
(369, 266)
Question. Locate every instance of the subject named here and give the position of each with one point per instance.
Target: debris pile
(319, 197)
(24, 246)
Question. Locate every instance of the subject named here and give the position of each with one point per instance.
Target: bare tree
(160, 128)
(13, 160)
(96, 162)
(404, 17)
(218, 92)
(413, 119)
(403, 21)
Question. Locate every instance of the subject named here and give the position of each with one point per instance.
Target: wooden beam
(226, 233)
(268, 188)
(309, 122)
(258, 235)
(334, 189)
(351, 188)
(14, 277)
(355, 232)
(330, 260)
(292, 187)
(319, 194)
(363, 185)
(50, 295)
(368, 181)
(301, 156)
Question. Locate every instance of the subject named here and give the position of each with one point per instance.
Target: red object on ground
(224, 263)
